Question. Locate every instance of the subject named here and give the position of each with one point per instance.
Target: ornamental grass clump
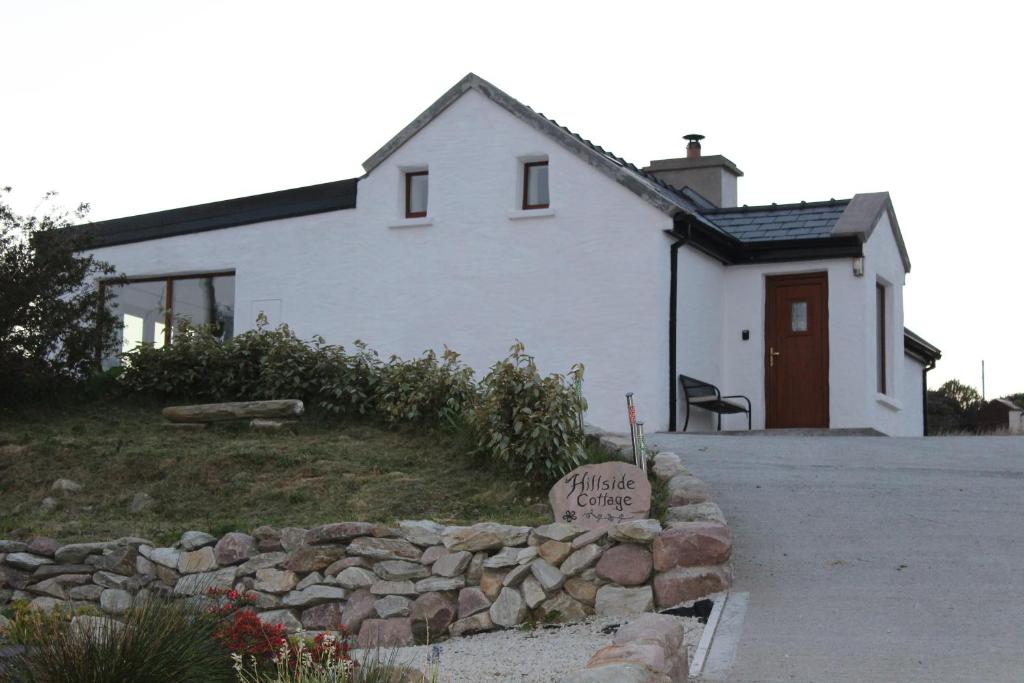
(529, 422)
(327, 661)
(157, 640)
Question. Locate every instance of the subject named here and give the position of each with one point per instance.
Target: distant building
(1001, 414)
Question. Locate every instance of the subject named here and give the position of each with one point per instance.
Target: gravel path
(540, 656)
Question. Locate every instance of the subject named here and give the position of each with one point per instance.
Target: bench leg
(687, 421)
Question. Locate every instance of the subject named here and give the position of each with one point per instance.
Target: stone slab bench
(243, 410)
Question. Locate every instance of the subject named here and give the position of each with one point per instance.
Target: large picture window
(150, 308)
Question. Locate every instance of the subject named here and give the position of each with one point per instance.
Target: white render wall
(700, 325)
(588, 283)
(737, 366)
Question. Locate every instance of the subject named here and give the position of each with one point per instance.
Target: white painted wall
(699, 325)
(854, 402)
(882, 262)
(587, 284)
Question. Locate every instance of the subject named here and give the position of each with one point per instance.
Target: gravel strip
(542, 655)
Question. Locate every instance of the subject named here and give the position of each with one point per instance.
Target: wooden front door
(796, 351)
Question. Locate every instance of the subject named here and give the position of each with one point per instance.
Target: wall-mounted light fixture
(858, 266)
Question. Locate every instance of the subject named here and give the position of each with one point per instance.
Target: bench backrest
(693, 387)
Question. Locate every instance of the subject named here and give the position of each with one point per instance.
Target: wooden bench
(707, 396)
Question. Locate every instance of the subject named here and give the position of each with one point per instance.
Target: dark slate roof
(806, 220)
(299, 201)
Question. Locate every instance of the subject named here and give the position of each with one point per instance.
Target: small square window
(535, 185)
(416, 185)
(798, 316)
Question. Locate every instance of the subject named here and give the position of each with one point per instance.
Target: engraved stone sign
(598, 496)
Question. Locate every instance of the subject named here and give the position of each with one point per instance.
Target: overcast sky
(140, 106)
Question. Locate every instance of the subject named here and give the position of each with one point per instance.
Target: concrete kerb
(716, 651)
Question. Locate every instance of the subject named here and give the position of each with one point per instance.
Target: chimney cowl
(693, 146)
(713, 177)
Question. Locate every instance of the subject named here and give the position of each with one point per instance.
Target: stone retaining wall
(411, 583)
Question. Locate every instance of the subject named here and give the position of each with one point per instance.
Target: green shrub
(426, 390)
(157, 640)
(53, 318)
(529, 422)
(269, 364)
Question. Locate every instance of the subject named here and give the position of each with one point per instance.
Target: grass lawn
(227, 478)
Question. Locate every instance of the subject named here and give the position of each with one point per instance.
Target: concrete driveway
(872, 558)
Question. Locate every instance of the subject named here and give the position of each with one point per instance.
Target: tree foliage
(953, 407)
(965, 396)
(53, 317)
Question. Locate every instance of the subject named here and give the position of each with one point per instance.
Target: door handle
(772, 353)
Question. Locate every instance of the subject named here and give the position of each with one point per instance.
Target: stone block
(196, 561)
(472, 601)
(392, 606)
(339, 532)
(385, 633)
(509, 609)
(641, 531)
(453, 564)
(616, 601)
(627, 565)
(582, 559)
(384, 549)
(684, 584)
(398, 570)
(234, 548)
(430, 616)
(485, 536)
(323, 617)
(692, 544)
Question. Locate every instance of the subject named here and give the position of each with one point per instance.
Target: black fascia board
(731, 251)
(919, 349)
(301, 201)
(769, 251)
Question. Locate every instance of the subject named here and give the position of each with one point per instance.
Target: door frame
(818, 276)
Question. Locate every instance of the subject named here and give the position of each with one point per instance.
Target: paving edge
(716, 651)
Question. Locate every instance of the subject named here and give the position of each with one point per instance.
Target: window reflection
(205, 301)
(145, 307)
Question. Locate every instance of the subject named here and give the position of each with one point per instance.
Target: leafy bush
(157, 640)
(514, 415)
(425, 390)
(529, 422)
(257, 364)
(49, 327)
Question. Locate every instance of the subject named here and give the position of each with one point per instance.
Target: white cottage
(483, 222)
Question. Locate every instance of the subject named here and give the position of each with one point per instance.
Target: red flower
(246, 635)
